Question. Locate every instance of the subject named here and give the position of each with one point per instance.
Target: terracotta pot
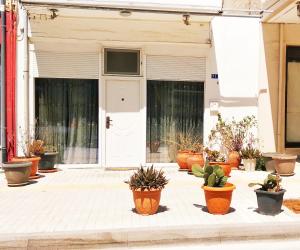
(225, 165)
(181, 158)
(285, 164)
(34, 160)
(234, 159)
(218, 199)
(195, 158)
(16, 173)
(146, 202)
(249, 164)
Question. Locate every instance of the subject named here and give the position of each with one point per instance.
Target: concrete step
(233, 236)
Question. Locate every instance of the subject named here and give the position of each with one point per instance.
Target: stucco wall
(268, 87)
(272, 95)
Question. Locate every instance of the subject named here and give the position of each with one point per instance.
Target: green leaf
(211, 180)
(254, 184)
(197, 170)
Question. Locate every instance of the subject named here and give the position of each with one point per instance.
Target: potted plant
(16, 173)
(269, 195)
(146, 185)
(232, 135)
(249, 155)
(31, 148)
(187, 144)
(215, 158)
(48, 158)
(218, 192)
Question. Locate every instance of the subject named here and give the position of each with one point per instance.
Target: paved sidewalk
(92, 206)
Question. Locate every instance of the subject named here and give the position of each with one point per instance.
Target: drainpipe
(10, 78)
(2, 86)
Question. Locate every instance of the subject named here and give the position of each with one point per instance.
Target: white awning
(209, 6)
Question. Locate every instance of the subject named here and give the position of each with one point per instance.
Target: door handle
(108, 120)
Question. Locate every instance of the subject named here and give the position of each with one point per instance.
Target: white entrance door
(123, 123)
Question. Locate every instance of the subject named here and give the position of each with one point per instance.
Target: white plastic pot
(249, 165)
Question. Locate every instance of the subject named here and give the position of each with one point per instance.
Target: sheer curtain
(67, 117)
(173, 107)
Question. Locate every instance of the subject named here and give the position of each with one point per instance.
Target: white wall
(236, 55)
(243, 87)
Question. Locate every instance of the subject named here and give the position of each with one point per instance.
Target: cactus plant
(213, 175)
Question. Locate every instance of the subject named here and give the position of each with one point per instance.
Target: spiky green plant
(147, 179)
(213, 175)
(271, 183)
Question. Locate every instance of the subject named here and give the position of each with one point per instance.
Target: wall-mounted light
(125, 13)
(53, 13)
(298, 8)
(186, 19)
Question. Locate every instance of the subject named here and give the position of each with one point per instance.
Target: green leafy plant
(213, 175)
(147, 179)
(260, 164)
(270, 184)
(250, 153)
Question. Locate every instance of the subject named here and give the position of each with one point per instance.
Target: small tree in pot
(270, 195)
(231, 136)
(218, 192)
(146, 185)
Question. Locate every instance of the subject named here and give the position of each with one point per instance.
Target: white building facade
(113, 82)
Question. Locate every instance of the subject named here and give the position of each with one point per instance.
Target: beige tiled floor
(91, 199)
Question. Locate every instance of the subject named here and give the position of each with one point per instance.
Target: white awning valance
(166, 5)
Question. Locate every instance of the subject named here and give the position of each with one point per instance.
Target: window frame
(290, 57)
(128, 74)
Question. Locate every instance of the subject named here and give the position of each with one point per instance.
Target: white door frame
(102, 108)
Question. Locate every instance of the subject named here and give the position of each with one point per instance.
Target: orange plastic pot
(225, 165)
(34, 160)
(146, 202)
(195, 158)
(181, 158)
(218, 199)
(234, 159)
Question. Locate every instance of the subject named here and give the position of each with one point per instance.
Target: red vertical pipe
(10, 83)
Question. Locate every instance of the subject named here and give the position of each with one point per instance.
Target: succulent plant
(271, 183)
(147, 179)
(213, 175)
(250, 153)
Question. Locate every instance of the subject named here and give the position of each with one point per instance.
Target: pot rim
(219, 162)
(51, 153)
(228, 187)
(16, 164)
(259, 190)
(146, 190)
(284, 157)
(26, 158)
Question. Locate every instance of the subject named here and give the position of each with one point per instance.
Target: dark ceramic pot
(269, 203)
(48, 160)
(16, 173)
